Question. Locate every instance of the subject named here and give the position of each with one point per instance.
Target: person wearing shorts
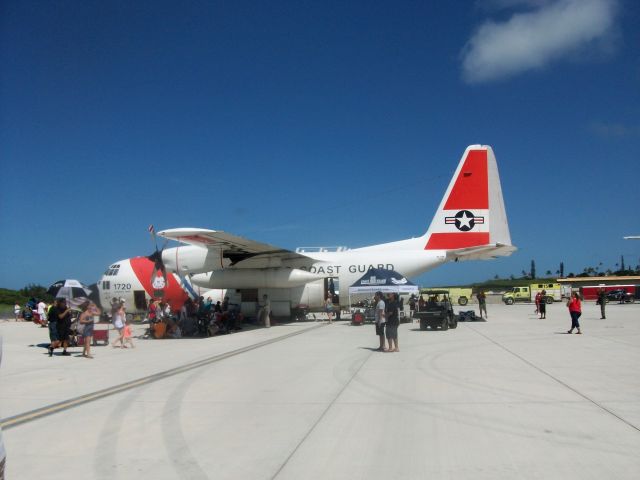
(59, 318)
(118, 316)
(89, 310)
(393, 321)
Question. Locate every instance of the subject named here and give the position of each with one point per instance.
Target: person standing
(575, 310)
(225, 304)
(542, 307)
(118, 315)
(152, 313)
(127, 334)
(88, 311)
(328, 306)
(393, 321)
(59, 326)
(482, 303)
(16, 312)
(537, 300)
(379, 319)
(42, 313)
(412, 305)
(602, 299)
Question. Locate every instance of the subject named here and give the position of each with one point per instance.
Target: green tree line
(11, 297)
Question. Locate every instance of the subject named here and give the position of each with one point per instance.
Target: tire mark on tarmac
(32, 415)
(321, 417)
(564, 384)
(105, 463)
(184, 462)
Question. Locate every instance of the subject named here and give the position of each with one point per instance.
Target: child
(128, 338)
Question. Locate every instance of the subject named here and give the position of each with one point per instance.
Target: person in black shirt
(59, 326)
(393, 320)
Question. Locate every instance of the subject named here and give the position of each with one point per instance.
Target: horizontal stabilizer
(484, 252)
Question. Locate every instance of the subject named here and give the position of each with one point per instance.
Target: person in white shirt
(16, 311)
(380, 319)
(42, 312)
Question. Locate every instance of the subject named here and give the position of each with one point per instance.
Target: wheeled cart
(100, 334)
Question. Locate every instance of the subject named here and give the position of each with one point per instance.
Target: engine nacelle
(192, 259)
(255, 278)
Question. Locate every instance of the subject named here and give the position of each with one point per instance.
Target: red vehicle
(100, 333)
(591, 292)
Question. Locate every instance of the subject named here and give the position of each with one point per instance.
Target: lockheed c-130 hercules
(470, 224)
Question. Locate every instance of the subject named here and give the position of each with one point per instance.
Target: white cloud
(532, 39)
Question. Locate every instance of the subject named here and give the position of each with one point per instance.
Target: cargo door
(140, 300)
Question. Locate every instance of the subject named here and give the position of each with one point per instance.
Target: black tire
(423, 325)
(454, 322)
(463, 301)
(445, 324)
(509, 301)
(548, 300)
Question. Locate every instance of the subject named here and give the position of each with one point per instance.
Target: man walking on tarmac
(602, 299)
(482, 302)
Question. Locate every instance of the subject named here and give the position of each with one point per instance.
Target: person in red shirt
(575, 310)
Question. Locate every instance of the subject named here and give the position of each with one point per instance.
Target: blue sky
(313, 123)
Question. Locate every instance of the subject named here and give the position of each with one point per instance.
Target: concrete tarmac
(513, 397)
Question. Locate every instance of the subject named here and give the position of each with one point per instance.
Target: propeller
(156, 257)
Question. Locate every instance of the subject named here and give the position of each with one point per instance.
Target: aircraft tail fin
(471, 221)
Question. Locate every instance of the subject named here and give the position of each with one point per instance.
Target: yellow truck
(527, 293)
(461, 296)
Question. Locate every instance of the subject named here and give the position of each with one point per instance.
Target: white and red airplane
(135, 281)
(470, 224)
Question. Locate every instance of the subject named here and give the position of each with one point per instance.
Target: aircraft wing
(483, 252)
(232, 247)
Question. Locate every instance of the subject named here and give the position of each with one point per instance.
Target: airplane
(470, 224)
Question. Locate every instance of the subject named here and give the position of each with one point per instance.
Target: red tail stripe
(471, 190)
(450, 241)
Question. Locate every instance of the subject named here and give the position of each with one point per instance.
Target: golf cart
(437, 311)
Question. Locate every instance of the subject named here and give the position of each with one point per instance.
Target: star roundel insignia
(464, 220)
